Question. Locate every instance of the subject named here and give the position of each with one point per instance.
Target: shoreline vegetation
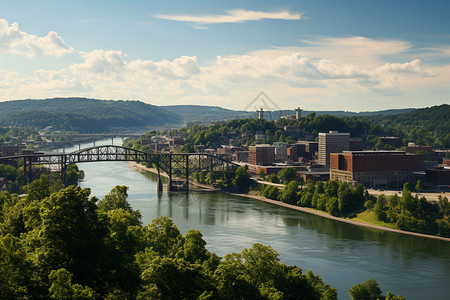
(140, 168)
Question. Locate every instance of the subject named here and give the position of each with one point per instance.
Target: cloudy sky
(320, 55)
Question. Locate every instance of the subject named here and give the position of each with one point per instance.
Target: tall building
(298, 113)
(261, 154)
(374, 168)
(260, 114)
(280, 151)
(332, 142)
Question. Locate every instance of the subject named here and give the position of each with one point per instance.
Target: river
(342, 254)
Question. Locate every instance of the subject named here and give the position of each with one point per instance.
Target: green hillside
(424, 126)
(84, 115)
(206, 114)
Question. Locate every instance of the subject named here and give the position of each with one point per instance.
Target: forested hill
(425, 126)
(84, 115)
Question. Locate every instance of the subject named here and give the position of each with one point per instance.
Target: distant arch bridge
(175, 165)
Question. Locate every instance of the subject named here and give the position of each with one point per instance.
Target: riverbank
(140, 168)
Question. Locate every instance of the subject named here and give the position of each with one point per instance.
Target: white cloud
(290, 77)
(413, 67)
(232, 16)
(15, 41)
(361, 51)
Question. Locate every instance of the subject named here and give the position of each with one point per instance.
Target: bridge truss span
(179, 165)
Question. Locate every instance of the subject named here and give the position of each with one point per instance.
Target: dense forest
(67, 245)
(425, 126)
(84, 115)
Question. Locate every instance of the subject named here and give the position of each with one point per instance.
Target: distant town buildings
(7, 149)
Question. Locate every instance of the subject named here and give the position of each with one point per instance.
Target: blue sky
(319, 55)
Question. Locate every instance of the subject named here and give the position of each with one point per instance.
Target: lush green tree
(262, 174)
(289, 194)
(369, 205)
(419, 186)
(72, 174)
(62, 288)
(187, 148)
(287, 175)
(333, 206)
(379, 208)
(39, 189)
(242, 179)
(15, 270)
(274, 178)
(71, 237)
(368, 290)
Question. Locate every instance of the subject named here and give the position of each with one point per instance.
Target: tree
(72, 174)
(287, 174)
(419, 186)
(274, 178)
(379, 208)
(72, 237)
(262, 174)
(187, 148)
(62, 288)
(368, 290)
(407, 187)
(242, 179)
(289, 194)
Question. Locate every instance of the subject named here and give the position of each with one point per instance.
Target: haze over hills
(204, 113)
(93, 115)
(84, 115)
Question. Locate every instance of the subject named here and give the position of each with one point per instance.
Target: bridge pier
(169, 184)
(159, 185)
(187, 173)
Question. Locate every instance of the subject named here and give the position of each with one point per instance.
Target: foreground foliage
(66, 245)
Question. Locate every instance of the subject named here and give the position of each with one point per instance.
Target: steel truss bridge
(177, 166)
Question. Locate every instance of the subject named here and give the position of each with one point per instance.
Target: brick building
(295, 151)
(438, 175)
(356, 144)
(261, 154)
(374, 168)
(7, 149)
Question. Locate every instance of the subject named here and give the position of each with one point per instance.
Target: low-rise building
(8, 149)
(356, 144)
(262, 154)
(374, 168)
(438, 175)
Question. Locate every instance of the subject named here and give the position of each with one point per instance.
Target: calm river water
(342, 254)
